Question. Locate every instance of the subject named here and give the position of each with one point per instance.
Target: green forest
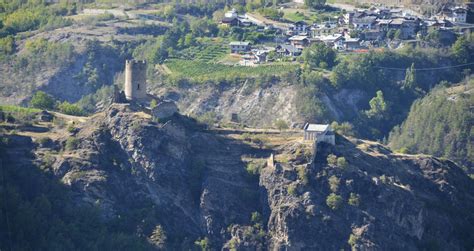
(440, 124)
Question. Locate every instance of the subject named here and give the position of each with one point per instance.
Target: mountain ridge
(194, 184)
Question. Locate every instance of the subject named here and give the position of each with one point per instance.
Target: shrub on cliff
(332, 159)
(354, 200)
(334, 201)
(72, 143)
(341, 162)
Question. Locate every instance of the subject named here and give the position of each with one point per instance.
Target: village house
(408, 27)
(348, 18)
(319, 133)
(372, 35)
(229, 21)
(434, 24)
(335, 41)
(455, 15)
(383, 24)
(367, 22)
(297, 28)
(247, 60)
(383, 13)
(351, 44)
(396, 13)
(300, 27)
(257, 56)
(230, 18)
(243, 21)
(322, 29)
(288, 50)
(299, 41)
(261, 55)
(238, 47)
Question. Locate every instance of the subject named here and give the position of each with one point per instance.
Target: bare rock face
(385, 201)
(173, 173)
(255, 106)
(192, 184)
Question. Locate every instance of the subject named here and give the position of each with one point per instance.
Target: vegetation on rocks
(334, 201)
(44, 101)
(38, 213)
(120, 180)
(354, 200)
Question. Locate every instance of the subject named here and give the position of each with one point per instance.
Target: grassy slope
(18, 109)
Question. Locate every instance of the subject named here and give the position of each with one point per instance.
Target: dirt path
(163, 68)
(265, 20)
(70, 117)
(343, 6)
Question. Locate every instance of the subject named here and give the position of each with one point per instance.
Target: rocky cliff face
(255, 106)
(190, 182)
(194, 184)
(380, 201)
(258, 106)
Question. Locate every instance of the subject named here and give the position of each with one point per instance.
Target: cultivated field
(201, 70)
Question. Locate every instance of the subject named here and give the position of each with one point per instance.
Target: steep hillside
(262, 105)
(374, 200)
(440, 124)
(142, 175)
(174, 185)
(68, 62)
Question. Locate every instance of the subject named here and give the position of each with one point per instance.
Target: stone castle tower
(135, 80)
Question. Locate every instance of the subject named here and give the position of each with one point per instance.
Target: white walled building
(319, 133)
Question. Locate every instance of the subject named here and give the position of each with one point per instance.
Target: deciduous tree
(42, 100)
(378, 106)
(318, 55)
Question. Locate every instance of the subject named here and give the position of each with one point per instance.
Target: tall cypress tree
(410, 78)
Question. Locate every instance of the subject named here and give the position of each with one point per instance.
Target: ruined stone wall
(164, 109)
(271, 161)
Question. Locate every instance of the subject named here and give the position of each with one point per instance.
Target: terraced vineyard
(205, 53)
(200, 70)
(18, 110)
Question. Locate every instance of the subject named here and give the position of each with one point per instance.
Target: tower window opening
(138, 86)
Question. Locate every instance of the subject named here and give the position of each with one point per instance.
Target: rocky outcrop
(385, 201)
(164, 109)
(192, 184)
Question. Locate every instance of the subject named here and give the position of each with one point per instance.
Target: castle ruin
(135, 80)
(135, 92)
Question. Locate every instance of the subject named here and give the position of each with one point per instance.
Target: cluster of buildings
(356, 31)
